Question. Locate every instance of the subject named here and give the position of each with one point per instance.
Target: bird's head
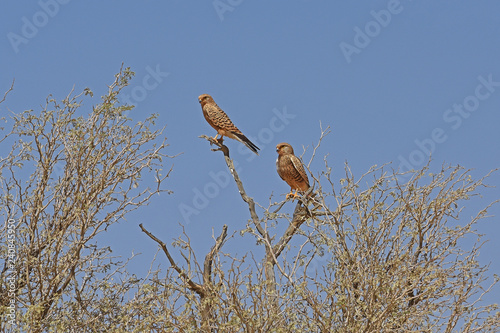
(284, 149)
(204, 99)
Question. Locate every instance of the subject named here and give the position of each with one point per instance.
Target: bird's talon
(292, 195)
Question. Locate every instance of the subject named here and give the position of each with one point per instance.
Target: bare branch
(8, 91)
(244, 196)
(299, 217)
(207, 271)
(192, 285)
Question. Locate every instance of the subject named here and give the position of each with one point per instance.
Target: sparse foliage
(66, 179)
(384, 252)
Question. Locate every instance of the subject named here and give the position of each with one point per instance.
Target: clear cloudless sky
(393, 79)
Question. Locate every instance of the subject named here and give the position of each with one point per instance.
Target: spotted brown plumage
(291, 170)
(219, 120)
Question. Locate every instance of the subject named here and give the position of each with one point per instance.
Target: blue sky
(393, 79)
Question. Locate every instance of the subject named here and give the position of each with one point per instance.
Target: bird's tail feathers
(246, 141)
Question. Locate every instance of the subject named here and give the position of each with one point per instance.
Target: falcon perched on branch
(291, 170)
(219, 120)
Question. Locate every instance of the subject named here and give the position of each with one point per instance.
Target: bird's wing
(220, 119)
(299, 167)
